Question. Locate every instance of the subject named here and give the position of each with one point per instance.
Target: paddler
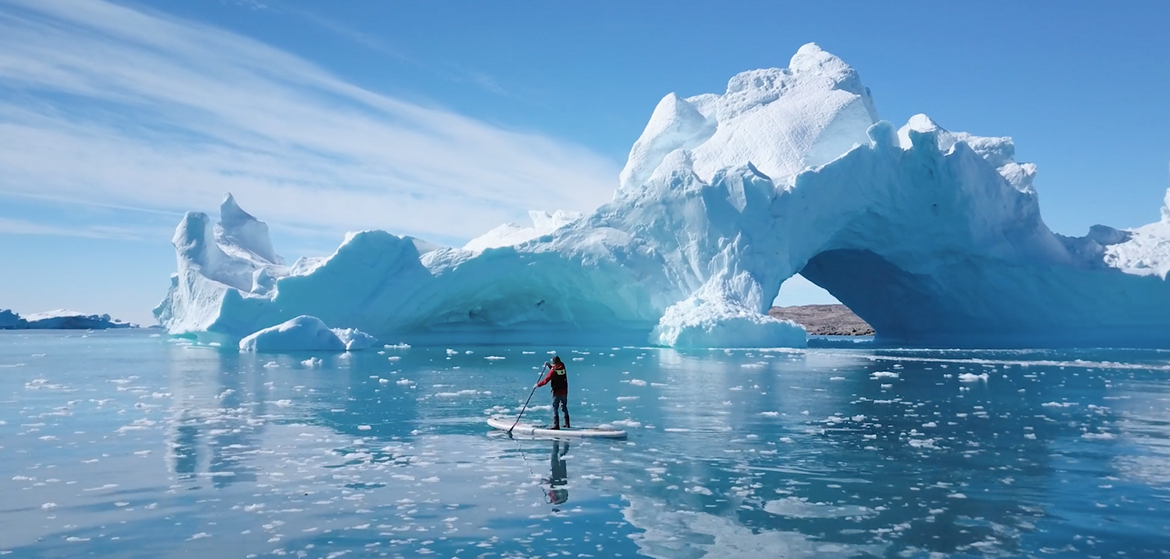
(560, 390)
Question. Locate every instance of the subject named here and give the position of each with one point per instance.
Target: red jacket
(559, 379)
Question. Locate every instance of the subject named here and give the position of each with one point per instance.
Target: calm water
(119, 444)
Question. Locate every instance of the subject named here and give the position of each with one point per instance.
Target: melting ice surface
(124, 444)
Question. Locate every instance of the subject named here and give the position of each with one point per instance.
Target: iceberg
(10, 320)
(932, 237)
(305, 333)
(61, 319)
(510, 234)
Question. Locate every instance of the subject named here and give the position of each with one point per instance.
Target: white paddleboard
(527, 429)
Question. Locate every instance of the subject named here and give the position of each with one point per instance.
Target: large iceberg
(932, 237)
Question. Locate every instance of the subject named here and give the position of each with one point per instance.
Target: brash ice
(933, 237)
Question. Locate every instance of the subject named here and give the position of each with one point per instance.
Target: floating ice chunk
(354, 339)
(312, 362)
(457, 394)
(305, 333)
(637, 382)
(1098, 436)
(713, 317)
(883, 374)
(921, 443)
(972, 377)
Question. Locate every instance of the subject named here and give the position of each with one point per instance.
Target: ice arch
(932, 237)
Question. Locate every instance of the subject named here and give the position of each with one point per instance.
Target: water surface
(120, 444)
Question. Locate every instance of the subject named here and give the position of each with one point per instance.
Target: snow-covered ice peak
(781, 120)
(998, 151)
(510, 234)
(238, 231)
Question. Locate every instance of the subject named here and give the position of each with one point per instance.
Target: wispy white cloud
(104, 104)
(25, 227)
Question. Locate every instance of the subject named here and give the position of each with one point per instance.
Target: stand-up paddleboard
(527, 429)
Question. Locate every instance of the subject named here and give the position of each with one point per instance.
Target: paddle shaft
(525, 406)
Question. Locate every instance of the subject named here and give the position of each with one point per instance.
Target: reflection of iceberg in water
(1142, 422)
(215, 424)
(225, 404)
(798, 446)
(674, 534)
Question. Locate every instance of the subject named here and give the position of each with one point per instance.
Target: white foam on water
(460, 393)
(1078, 363)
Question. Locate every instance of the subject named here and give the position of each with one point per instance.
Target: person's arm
(547, 378)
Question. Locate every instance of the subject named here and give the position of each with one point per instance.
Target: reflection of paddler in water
(559, 477)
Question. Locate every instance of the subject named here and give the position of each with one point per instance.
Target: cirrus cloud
(108, 105)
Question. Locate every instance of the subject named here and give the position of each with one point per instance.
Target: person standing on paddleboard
(560, 390)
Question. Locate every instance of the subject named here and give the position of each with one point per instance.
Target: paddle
(525, 406)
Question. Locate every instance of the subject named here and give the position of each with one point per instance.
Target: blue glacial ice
(931, 236)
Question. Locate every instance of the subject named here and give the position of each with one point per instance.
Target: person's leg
(556, 412)
(565, 408)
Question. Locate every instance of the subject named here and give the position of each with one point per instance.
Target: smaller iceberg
(306, 333)
(710, 318)
(11, 321)
(60, 319)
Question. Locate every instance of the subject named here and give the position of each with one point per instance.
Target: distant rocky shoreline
(825, 320)
(60, 320)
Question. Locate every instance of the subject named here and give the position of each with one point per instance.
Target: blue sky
(443, 119)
